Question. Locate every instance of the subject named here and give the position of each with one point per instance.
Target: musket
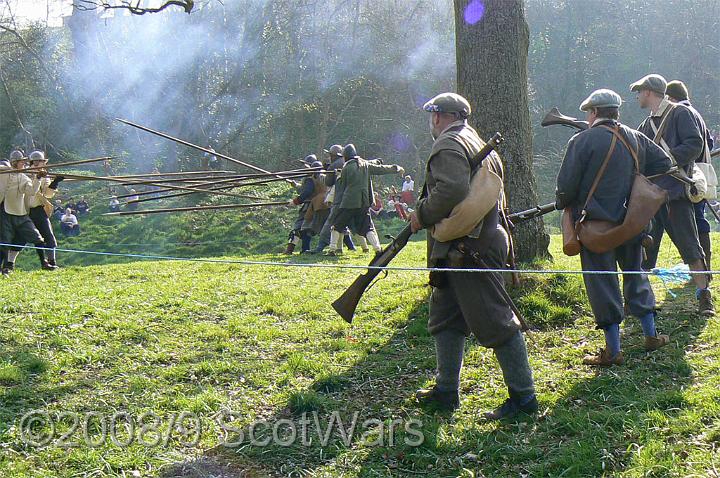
(522, 216)
(199, 148)
(196, 208)
(346, 304)
(715, 153)
(555, 117)
(57, 165)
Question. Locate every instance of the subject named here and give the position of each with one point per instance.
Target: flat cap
(448, 103)
(677, 90)
(602, 98)
(652, 82)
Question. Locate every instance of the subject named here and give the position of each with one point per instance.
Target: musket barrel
(528, 214)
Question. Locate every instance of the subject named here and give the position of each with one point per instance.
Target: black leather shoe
(511, 408)
(443, 400)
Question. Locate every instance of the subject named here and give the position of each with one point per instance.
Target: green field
(126, 360)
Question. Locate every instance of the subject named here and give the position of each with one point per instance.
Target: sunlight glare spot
(474, 12)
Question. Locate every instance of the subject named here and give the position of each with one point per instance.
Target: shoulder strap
(621, 138)
(600, 172)
(659, 131)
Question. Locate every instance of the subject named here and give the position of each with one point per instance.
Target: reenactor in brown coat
(467, 302)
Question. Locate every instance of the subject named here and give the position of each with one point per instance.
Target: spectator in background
(376, 208)
(114, 204)
(70, 204)
(214, 162)
(400, 208)
(209, 160)
(132, 205)
(69, 223)
(391, 206)
(82, 206)
(58, 210)
(408, 187)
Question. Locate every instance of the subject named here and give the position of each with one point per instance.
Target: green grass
(165, 342)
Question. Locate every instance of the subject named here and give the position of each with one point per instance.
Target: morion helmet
(37, 156)
(349, 151)
(16, 155)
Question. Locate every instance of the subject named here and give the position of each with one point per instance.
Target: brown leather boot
(654, 343)
(603, 359)
(705, 303)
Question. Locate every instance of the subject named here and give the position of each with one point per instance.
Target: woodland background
(269, 81)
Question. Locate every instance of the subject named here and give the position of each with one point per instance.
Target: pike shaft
(58, 165)
(196, 208)
(199, 148)
(124, 181)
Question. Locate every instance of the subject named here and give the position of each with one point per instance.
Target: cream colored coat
(13, 189)
(42, 196)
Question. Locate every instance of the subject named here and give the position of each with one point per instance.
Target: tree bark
(492, 42)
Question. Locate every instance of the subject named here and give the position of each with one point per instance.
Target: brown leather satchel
(645, 200)
(571, 229)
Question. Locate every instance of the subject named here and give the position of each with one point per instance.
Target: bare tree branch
(133, 6)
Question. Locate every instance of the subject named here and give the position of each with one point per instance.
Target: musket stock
(346, 304)
(715, 154)
(555, 117)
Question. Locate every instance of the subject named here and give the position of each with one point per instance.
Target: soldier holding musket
(604, 143)
(674, 129)
(465, 302)
(40, 210)
(15, 224)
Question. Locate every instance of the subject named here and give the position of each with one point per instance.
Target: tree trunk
(492, 39)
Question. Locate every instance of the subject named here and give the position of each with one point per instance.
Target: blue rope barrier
(662, 273)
